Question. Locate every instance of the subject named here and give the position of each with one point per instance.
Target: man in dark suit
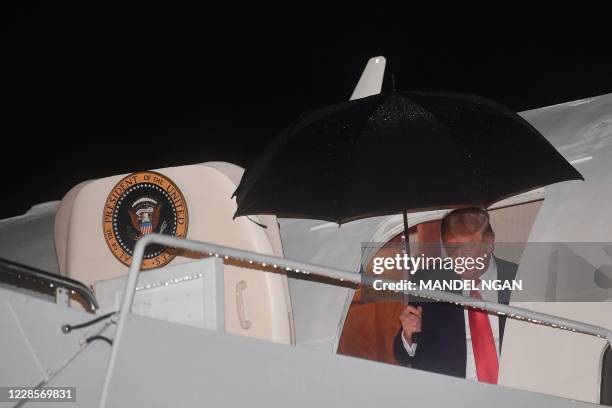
(454, 340)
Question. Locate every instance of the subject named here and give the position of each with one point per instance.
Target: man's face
(470, 245)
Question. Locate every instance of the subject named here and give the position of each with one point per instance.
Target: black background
(94, 89)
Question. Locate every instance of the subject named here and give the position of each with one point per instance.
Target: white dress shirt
(489, 295)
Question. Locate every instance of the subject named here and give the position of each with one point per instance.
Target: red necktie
(483, 345)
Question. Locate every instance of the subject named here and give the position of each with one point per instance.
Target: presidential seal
(140, 204)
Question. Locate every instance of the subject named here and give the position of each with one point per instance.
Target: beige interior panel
(261, 298)
(62, 225)
(512, 225)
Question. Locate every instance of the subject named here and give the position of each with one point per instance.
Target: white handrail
(282, 264)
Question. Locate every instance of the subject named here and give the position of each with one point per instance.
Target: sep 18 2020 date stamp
(46, 394)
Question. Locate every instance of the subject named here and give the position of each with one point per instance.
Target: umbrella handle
(406, 251)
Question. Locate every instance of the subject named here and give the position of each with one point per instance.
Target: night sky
(94, 89)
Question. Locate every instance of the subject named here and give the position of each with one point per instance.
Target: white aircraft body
(241, 315)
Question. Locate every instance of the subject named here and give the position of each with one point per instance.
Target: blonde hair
(465, 221)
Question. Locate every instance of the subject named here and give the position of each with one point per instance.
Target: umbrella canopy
(399, 151)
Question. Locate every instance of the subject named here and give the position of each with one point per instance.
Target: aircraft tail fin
(370, 82)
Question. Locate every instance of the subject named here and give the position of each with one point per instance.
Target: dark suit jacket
(442, 341)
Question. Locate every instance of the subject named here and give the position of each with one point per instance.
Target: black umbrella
(399, 151)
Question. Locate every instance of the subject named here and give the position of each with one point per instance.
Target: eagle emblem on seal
(144, 216)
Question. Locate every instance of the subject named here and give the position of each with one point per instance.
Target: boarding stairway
(152, 362)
